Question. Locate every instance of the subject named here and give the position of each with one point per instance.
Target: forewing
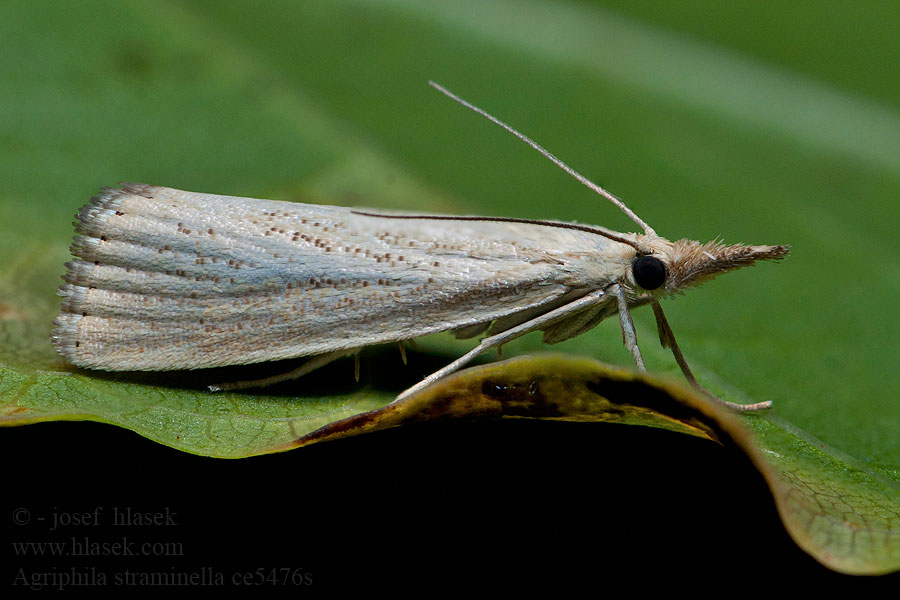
(166, 279)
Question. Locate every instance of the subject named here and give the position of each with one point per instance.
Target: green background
(756, 122)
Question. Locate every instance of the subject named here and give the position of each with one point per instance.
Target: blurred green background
(760, 122)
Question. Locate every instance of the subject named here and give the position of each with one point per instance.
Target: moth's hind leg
(308, 367)
(497, 340)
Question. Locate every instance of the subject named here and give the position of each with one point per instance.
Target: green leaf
(708, 123)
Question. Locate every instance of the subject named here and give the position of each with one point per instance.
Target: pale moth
(165, 279)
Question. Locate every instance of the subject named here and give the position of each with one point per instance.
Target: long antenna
(547, 154)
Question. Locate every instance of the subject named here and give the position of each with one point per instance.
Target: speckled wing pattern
(165, 279)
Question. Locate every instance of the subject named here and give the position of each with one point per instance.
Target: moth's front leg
(667, 339)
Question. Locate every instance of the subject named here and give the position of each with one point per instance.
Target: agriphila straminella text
(166, 280)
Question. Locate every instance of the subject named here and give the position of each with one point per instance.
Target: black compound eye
(649, 272)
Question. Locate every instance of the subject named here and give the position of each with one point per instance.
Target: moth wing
(165, 279)
(579, 323)
(470, 331)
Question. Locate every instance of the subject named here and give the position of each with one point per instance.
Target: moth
(165, 279)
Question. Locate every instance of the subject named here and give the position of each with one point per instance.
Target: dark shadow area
(522, 505)
(380, 366)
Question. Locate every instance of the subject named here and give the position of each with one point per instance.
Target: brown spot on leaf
(520, 398)
(8, 312)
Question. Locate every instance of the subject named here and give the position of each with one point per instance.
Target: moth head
(669, 267)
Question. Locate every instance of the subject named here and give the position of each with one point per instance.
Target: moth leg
(307, 367)
(512, 333)
(667, 339)
(629, 335)
(640, 301)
